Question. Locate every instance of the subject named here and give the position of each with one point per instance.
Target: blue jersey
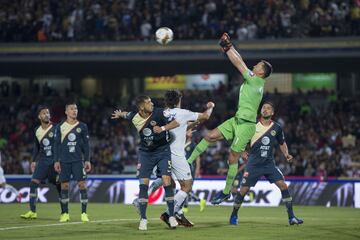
(72, 142)
(43, 149)
(263, 142)
(150, 141)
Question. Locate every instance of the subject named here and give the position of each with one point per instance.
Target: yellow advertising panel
(165, 82)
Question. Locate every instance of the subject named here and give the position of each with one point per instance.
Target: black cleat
(182, 220)
(165, 218)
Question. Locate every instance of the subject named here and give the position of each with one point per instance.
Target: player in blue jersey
(154, 151)
(261, 162)
(72, 159)
(43, 159)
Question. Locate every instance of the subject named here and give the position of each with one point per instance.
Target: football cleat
(219, 198)
(172, 222)
(233, 220)
(65, 217)
(29, 215)
(185, 209)
(165, 218)
(182, 220)
(143, 224)
(294, 220)
(84, 217)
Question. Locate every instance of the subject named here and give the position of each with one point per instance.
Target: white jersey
(182, 116)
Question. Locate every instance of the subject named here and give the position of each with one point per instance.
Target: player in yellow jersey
(240, 128)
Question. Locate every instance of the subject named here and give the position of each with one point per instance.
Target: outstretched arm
(232, 54)
(207, 113)
(118, 114)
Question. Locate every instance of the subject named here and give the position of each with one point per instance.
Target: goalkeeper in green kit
(240, 128)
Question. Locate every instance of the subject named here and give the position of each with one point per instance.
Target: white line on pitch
(72, 223)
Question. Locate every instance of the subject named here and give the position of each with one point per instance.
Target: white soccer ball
(164, 35)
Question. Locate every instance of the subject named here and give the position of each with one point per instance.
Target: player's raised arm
(207, 113)
(232, 54)
(119, 114)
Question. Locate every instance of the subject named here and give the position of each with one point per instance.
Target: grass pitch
(118, 221)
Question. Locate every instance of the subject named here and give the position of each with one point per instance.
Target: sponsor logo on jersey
(147, 132)
(265, 140)
(71, 137)
(46, 142)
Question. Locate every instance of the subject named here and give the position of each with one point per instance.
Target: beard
(266, 117)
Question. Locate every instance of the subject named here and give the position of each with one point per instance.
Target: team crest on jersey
(78, 130)
(46, 142)
(246, 174)
(51, 134)
(273, 133)
(147, 132)
(72, 137)
(251, 74)
(153, 123)
(265, 140)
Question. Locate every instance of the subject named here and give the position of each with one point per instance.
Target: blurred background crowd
(116, 20)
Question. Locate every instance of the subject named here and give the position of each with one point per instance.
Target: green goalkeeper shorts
(239, 131)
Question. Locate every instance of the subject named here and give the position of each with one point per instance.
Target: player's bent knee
(65, 185)
(82, 185)
(36, 181)
(166, 180)
(244, 190)
(282, 185)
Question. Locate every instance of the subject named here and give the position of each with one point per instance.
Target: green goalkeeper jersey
(251, 93)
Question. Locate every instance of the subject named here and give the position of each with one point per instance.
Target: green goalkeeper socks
(233, 168)
(199, 149)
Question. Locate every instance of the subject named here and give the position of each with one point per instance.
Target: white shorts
(180, 168)
(2, 177)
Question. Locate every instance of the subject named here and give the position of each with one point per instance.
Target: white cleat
(143, 224)
(173, 223)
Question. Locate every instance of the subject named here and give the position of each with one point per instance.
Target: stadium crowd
(322, 130)
(116, 20)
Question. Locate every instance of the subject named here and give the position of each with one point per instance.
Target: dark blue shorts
(73, 169)
(253, 174)
(44, 171)
(148, 160)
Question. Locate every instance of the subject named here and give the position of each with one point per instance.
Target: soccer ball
(164, 35)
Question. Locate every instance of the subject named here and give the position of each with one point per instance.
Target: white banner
(263, 194)
(205, 81)
(357, 195)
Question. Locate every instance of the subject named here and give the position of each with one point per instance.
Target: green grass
(254, 223)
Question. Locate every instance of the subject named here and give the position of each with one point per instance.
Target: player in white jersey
(180, 168)
(7, 186)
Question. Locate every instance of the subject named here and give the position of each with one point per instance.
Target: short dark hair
(172, 98)
(40, 108)
(140, 100)
(70, 102)
(267, 68)
(270, 103)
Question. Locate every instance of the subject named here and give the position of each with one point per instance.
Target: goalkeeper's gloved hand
(225, 42)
